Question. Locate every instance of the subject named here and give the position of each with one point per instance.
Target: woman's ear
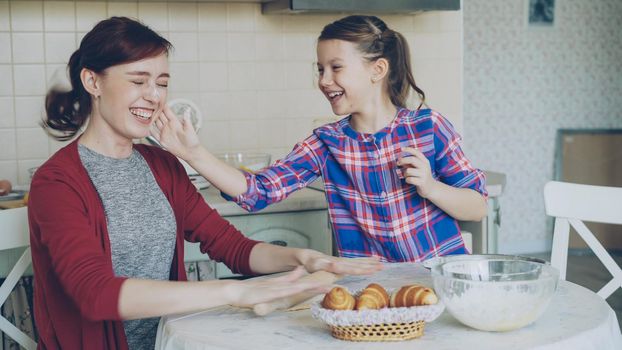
(90, 81)
(380, 69)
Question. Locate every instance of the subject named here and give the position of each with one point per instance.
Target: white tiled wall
(252, 75)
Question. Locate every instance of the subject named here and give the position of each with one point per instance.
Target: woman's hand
(177, 137)
(255, 291)
(417, 172)
(313, 260)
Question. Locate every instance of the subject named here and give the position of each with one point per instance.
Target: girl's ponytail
(400, 76)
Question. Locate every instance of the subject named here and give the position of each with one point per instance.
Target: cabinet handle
(279, 242)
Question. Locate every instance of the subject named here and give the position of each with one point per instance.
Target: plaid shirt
(373, 211)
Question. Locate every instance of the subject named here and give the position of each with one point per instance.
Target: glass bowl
(492, 294)
(250, 162)
(441, 259)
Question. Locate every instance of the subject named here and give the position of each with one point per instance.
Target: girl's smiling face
(344, 76)
(131, 95)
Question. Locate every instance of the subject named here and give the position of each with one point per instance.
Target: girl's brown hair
(111, 42)
(375, 40)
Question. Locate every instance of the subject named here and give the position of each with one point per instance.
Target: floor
(585, 269)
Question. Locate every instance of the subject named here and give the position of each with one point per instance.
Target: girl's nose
(325, 80)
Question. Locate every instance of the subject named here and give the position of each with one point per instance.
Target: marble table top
(575, 319)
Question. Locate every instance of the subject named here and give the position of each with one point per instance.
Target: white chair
(14, 233)
(571, 204)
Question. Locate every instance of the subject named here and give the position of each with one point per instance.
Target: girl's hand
(177, 137)
(250, 292)
(315, 261)
(417, 172)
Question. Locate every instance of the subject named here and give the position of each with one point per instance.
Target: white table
(576, 319)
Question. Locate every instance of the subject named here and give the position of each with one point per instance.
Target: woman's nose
(152, 93)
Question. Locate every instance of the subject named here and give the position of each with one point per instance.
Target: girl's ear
(90, 81)
(380, 69)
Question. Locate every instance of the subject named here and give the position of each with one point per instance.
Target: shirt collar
(364, 137)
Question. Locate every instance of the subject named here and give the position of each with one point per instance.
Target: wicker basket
(387, 324)
(379, 332)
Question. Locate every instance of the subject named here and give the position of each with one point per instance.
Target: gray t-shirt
(141, 227)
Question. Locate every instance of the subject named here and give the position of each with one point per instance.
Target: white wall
(523, 83)
(251, 74)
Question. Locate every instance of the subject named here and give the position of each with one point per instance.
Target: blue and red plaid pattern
(373, 211)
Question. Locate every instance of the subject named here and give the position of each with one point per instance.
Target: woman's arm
(269, 258)
(148, 298)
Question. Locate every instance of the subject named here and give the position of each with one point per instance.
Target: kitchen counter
(495, 183)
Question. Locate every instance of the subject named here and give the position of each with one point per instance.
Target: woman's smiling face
(344, 76)
(132, 95)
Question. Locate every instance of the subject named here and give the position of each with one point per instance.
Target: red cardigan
(76, 293)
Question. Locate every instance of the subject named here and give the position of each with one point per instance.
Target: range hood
(357, 6)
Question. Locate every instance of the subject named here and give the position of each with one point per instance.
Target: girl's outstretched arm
(180, 138)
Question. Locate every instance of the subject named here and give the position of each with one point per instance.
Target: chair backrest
(571, 204)
(14, 233)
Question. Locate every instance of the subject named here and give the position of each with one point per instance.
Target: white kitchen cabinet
(300, 221)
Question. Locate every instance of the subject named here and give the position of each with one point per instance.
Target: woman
(108, 218)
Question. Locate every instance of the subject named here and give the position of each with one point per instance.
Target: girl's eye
(138, 82)
(336, 67)
(164, 85)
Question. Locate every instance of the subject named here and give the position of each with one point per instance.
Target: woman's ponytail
(67, 111)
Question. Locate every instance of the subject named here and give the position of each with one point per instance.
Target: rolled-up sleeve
(274, 183)
(451, 165)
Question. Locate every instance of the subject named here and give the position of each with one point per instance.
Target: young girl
(108, 218)
(396, 180)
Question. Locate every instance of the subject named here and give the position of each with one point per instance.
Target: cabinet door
(301, 229)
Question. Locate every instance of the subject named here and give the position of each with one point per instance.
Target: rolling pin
(285, 303)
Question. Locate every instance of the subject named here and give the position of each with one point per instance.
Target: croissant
(413, 295)
(338, 299)
(372, 297)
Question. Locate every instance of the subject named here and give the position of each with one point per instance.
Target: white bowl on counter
(246, 161)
